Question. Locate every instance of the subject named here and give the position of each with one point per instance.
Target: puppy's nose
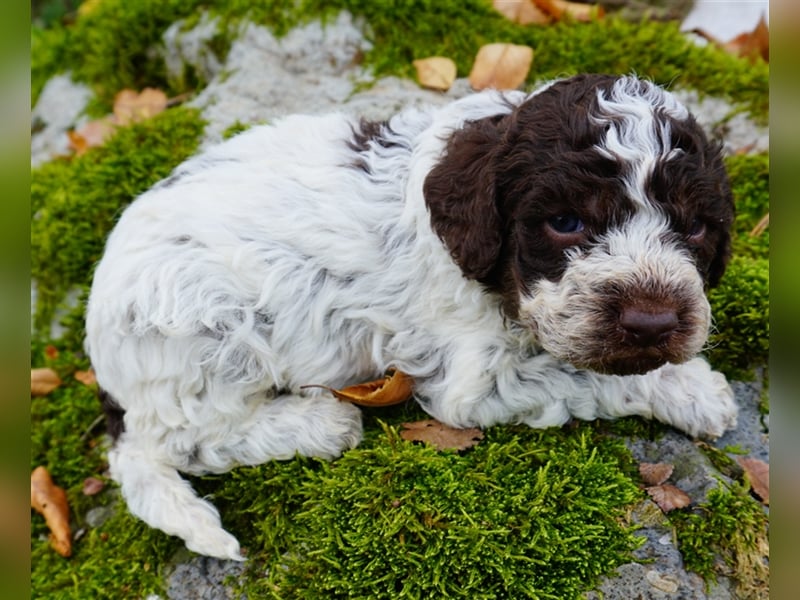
(648, 327)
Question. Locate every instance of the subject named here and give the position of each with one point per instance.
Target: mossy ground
(525, 513)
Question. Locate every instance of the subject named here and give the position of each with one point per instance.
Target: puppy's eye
(565, 224)
(697, 231)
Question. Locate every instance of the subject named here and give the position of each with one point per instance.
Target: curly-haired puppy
(526, 258)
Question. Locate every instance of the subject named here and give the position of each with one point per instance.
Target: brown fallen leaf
(131, 107)
(750, 45)
(500, 66)
(86, 377)
(440, 436)
(655, 473)
(91, 134)
(51, 352)
(559, 9)
(395, 388)
(43, 381)
(523, 12)
(668, 497)
(92, 486)
(51, 502)
(758, 473)
(435, 72)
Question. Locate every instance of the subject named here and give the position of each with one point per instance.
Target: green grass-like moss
(112, 47)
(727, 535)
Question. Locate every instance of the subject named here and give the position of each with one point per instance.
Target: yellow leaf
(91, 134)
(44, 381)
(501, 66)
(524, 12)
(576, 11)
(395, 388)
(51, 502)
(435, 72)
(130, 107)
(86, 377)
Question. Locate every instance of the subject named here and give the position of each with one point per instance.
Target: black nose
(648, 327)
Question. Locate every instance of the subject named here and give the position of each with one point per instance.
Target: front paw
(695, 399)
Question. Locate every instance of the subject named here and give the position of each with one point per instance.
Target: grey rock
(60, 105)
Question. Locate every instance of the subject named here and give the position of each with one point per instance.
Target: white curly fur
(270, 262)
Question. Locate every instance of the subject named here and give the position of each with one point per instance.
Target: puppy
(525, 258)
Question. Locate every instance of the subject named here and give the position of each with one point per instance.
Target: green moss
(75, 202)
(526, 513)
(727, 535)
(749, 177)
(112, 47)
(740, 305)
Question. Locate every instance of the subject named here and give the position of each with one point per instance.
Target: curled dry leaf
(86, 377)
(44, 381)
(668, 497)
(501, 66)
(523, 12)
(655, 473)
(435, 72)
(440, 436)
(51, 502)
(750, 45)
(758, 474)
(560, 9)
(130, 107)
(395, 388)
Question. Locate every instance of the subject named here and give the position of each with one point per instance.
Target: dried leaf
(51, 352)
(44, 381)
(758, 474)
(655, 473)
(91, 135)
(435, 72)
(130, 107)
(501, 66)
(523, 12)
(395, 388)
(86, 377)
(576, 11)
(51, 502)
(440, 436)
(750, 45)
(668, 497)
(92, 486)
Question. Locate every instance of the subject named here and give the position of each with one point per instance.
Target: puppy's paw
(216, 542)
(695, 399)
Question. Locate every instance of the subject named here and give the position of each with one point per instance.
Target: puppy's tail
(157, 494)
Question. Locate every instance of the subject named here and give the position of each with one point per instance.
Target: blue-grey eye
(566, 223)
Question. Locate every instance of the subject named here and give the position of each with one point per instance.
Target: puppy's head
(600, 212)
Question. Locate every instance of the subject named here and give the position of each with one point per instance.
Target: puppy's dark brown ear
(719, 263)
(460, 194)
(722, 252)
